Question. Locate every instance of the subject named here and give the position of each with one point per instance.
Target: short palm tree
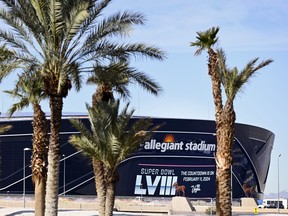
(64, 39)
(232, 80)
(110, 139)
(28, 91)
(114, 77)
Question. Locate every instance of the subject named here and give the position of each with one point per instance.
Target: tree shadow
(20, 212)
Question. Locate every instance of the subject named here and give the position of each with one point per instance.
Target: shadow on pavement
(20, 212)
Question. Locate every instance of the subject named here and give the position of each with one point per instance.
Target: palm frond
(17, 19)
(56, 23)
(137, 50)
(205, 40)
(4, 128)
(14, 41)
(233, 79)
(87, 148)
(6, 62)
(95, 11)
(114, 137)
(118, 75)
(39, 8)
(79, 125)
(77, 15)
(249, 71)
(146, 82)
(23, 102)
(119, 24)
(74, 70)
(28, 90)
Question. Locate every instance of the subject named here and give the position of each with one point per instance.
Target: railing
(14, 183)
(77, 186)
(65, 191)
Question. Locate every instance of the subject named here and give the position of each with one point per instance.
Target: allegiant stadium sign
(158, 176)
(201, 146)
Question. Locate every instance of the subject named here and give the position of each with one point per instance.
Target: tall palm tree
(66, 38)
(110, 139)
(232, 80)
(28, 91)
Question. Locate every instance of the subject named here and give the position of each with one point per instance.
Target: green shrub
(208, 211)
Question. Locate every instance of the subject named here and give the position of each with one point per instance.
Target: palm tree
(65, 38)
(110, 139)
(232, 80)
(28, 91)
(114, 77)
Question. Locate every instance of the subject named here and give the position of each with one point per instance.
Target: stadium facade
(182, 151)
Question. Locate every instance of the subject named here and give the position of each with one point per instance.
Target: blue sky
(248, 29)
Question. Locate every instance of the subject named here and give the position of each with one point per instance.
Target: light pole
(64, 175)
(24, 175)
(141, 199)
(231, 169)
(278, 183)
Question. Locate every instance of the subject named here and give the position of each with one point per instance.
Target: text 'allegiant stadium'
(178, 146)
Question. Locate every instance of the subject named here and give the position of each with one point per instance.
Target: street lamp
(64, 175)
(278, 182)
(24, 174)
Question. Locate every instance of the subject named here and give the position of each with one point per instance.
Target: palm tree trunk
(223, 193)
(225, 136)
(100, 185)
(216, 84)
(224, 151)
(40, 189)
(39, 158)
(110, 193)
(56, 104)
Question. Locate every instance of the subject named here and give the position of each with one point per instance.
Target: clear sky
(248, 29)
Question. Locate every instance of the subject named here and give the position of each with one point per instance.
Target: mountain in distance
(282, 194)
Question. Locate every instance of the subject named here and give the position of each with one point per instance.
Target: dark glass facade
(181, 151)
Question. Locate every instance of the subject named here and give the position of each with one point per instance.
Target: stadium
(182, 151)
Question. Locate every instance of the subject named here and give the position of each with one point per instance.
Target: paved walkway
(30, 212)
(10, 206)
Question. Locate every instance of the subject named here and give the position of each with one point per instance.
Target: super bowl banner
(170, 167)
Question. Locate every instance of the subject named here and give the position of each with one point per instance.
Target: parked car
(272, 205)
